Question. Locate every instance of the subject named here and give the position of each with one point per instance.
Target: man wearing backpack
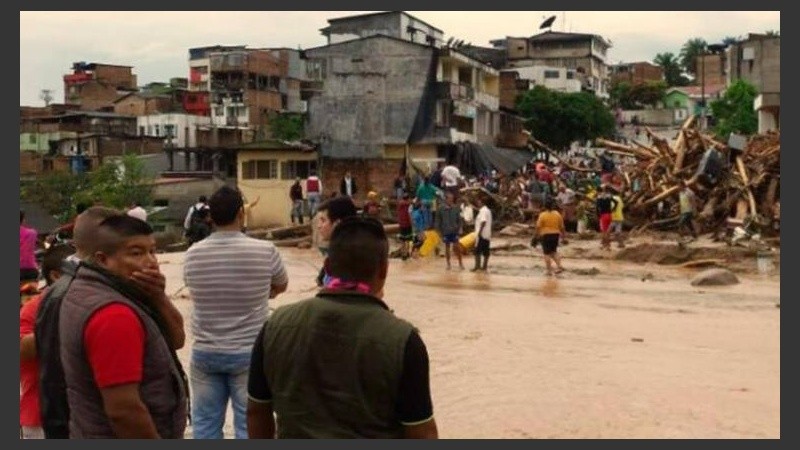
(196, 224)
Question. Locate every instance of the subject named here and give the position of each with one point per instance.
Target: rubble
(746, 186)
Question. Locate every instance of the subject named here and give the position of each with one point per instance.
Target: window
(219, 111)
(158, 130)
(315, 69)
(297, 169)
(551, 74)
(570, 75)
(260, 169)
(141, 130)
(32, 138)
(169, 131)
(443, 112)
(149, 130)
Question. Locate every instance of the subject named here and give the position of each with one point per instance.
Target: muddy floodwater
(609, 349)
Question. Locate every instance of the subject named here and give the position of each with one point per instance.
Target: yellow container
(432, 240)
(468, 241)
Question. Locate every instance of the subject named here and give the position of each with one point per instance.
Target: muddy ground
(619, 346)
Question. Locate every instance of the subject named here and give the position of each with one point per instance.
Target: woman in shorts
(549, 229)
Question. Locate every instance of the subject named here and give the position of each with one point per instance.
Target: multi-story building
(80, 140)
(585, 53)
(396, 24)
(557, 79)
(380, 103)
(637, 73)
(94, 86)
(292, 74)
(710, 69)
(757, 59)
(244, 91)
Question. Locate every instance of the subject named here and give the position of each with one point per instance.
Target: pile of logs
(747, 186)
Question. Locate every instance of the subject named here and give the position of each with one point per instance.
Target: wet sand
(515, 354)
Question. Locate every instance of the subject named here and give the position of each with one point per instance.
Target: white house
(554, 78)
(177, 129)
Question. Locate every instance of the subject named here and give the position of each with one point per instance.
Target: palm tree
(672, 69)
(773, 32)
(730, 40)
(689, 53)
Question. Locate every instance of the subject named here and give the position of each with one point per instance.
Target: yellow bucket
(468, 241)
(432, 240)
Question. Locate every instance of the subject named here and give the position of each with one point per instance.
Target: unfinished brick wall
(116, 76)
(371, 175)
(93, 95)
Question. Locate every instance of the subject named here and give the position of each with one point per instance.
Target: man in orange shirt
(549, 228)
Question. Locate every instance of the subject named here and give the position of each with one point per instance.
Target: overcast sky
(156, 44)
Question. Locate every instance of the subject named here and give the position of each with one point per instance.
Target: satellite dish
(547, 23)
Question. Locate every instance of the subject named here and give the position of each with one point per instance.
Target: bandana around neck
(338, 284)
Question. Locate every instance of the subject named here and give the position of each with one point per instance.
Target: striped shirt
(229, 276)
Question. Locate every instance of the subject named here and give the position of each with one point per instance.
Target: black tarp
(476, 159)
(426, 113)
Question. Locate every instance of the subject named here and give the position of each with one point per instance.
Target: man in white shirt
(451, 177)
(348, 185)
(138, 212)
(483, 230)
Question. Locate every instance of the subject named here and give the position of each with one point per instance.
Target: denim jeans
(313, 203)
(214, 378)
(427, 213)
(297, 211)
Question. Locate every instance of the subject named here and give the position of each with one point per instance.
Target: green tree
(773, 32)
(734, 111)
(116, 184)
(689, 53)
(287, 127)
(673, 73)
(730, 40)
(619, 95)
(648, 94)
(559, 119)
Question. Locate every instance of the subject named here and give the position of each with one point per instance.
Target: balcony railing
(451, 91)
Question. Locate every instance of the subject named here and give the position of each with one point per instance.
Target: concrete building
(637, 73)
(292, 74)
(554, 78)
(758, 60)
(266, 170)
(379, 104)
(396, 24)
(584, 53)
(95, 86)
(179, 130)
(244, 92)
(710, 69)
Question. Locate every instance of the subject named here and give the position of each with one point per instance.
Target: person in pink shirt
(28, 269)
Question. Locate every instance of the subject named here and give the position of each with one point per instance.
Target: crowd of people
(98, 345)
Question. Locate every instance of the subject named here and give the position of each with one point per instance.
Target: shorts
(450, 238)
(549, 243)
(406, 234)
(482, 247)
(616, 226)
(605, 222)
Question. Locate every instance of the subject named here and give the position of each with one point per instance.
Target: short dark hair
(225, 205)
(86, 226)
(115, 230)
(81, 207)
(202, 199)
(338, 208)
(357, 249)
(53, 258)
